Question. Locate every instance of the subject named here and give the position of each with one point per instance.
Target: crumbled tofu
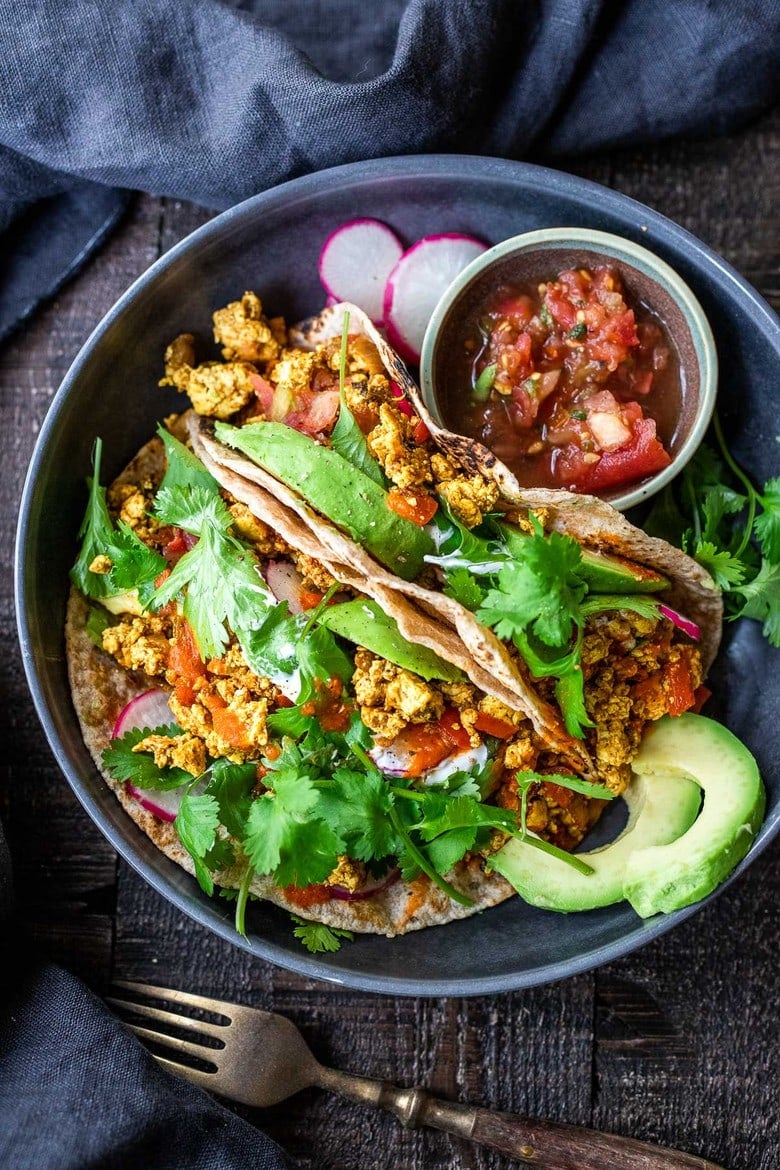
(244, 333)
(216, 389)
(176, 751)
(405, 463)
(469, 497)
(292, 374)
(416, 700)
(258, 534)
(391, 697)
(139, 643)
(348, 873)
(101, 565)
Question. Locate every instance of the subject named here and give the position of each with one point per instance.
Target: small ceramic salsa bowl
(580, 358)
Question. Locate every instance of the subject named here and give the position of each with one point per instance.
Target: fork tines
(206, 1036)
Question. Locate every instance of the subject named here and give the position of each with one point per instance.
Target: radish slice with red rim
(356, 261)
(151, 709)
(417, 284)
(164, 805)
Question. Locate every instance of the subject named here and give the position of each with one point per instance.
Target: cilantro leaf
(271, 647)
(726, 570)
(575, 783)
(231, 786)
(570, 695)
(95, 533)
(321, 657)
(284, 835)
(762, 600)
(134, 565)
(192, 506)
(196, 823)
(460, 547)
(464, 812)
(222, 584)
(348, 440)
(767, 524)
(463, 587)
(718, 502)
(357, 806)
(542, 592)
(319, 938)
(139, 768)
(448, 849)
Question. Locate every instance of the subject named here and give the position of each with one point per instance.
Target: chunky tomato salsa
(569, 385)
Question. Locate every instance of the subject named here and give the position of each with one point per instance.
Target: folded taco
(537, 584)
(384, 662)
(279, 729)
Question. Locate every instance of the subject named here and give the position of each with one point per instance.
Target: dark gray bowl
(270, 244)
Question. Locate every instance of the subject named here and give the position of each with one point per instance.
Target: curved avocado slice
(366, 624)
(343, 493)
(659, 810)
(661, 878)
(603, 572)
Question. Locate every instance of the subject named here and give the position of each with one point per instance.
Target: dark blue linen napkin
(77, 1089)
(212, 101)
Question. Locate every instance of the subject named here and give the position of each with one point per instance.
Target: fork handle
(550, 1145)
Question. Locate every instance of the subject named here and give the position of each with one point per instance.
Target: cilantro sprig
(133, 565)
(717, 515)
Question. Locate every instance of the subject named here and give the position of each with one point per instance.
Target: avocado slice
(366, 624)
(661, 877)
(603, 572)
(659, 810)
(331, 485)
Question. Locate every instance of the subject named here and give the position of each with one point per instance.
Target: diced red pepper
(492, 725)
(678, 686)
(229, 728)
(420, 434)
(452, 726)
(415, 505)
(184, 658)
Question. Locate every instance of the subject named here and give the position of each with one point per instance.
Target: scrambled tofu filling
(629, 663)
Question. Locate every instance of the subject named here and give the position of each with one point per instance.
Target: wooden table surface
(679, 1043)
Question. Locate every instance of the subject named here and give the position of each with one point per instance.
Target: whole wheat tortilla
(101, 689)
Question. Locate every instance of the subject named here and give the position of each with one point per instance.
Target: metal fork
(260, 1058)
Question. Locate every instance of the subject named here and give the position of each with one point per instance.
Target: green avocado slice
(603, 572)
(366, 624)
(659, 810)
(660, 878)
(331, 485)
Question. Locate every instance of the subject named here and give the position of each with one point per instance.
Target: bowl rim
(345, 176)
(632, 255)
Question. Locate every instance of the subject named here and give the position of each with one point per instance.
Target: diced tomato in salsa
(570, 385)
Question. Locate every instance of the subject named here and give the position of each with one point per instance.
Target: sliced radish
(356, 261)
(417, 283)
(683, 623)
(164, 805)
(285, 583)
(150, 710)
(367, 890)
